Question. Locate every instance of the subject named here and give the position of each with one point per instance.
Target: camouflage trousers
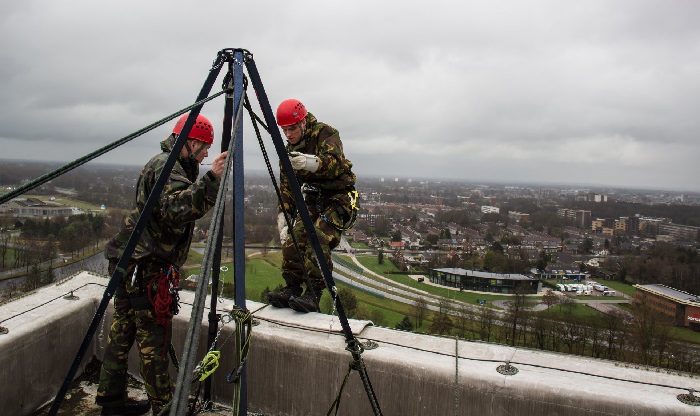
(328, 236)
(135, 321)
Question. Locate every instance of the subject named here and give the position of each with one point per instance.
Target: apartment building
(680, 232)
(578, 217)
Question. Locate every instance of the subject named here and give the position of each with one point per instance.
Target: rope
(210, 362)
(243, 325)
(184, 379)
(99, 152)
(162, 300)
(483, 360)
(49, 301)
(165, 301)
(336, 402)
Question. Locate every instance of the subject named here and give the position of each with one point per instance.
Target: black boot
(281, 299)
(130, 407)
(308, 302)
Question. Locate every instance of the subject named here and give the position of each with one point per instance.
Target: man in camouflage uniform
(162, 249)
(328, 183)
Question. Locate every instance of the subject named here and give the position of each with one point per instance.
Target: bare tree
(33, 279)
(420, 311)
(550, 298)
(540, 331)
(4, 247)
(442, 323)
(567, 303)
(487, 318)
(516, 307)
(596, 335)
(650, 333)
(462, 320)
(613, 333)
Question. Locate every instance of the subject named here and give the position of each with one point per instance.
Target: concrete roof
(671, 293)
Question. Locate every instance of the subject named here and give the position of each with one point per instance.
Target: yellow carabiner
(209, 364)
(353, 199)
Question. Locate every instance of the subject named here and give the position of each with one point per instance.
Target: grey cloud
(492, 90)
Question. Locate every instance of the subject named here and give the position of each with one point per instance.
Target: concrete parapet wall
(295, 371)
(45, 332)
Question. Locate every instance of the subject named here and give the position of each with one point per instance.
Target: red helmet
(202, 129)
(290, 112)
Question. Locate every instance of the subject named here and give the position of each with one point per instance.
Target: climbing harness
(354, 196)
(315, 197)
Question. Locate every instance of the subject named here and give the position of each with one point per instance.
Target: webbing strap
(134, 239)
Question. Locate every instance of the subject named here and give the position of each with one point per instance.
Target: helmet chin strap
(192, 155)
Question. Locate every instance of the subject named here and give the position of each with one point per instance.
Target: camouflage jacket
(184, 199)
(334, 176)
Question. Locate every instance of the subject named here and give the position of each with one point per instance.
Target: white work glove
(282, 227)
(302, 161)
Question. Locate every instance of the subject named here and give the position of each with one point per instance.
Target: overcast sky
(579, 92)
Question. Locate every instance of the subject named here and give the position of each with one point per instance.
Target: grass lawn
(370, 262)
(9, 258)
(620, 287)
(685, 334)
(358, 245)
(578, 310)
(260, 272)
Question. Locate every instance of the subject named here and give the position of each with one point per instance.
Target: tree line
(639, 336)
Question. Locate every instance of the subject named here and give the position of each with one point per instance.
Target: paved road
(409, 295)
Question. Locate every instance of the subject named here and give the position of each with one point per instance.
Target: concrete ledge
(45, 333)
(298, 371)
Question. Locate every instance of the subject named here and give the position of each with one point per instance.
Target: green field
(578, 310)
(620, 287)
(260, 272)
(263, 272)
(85, 206)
